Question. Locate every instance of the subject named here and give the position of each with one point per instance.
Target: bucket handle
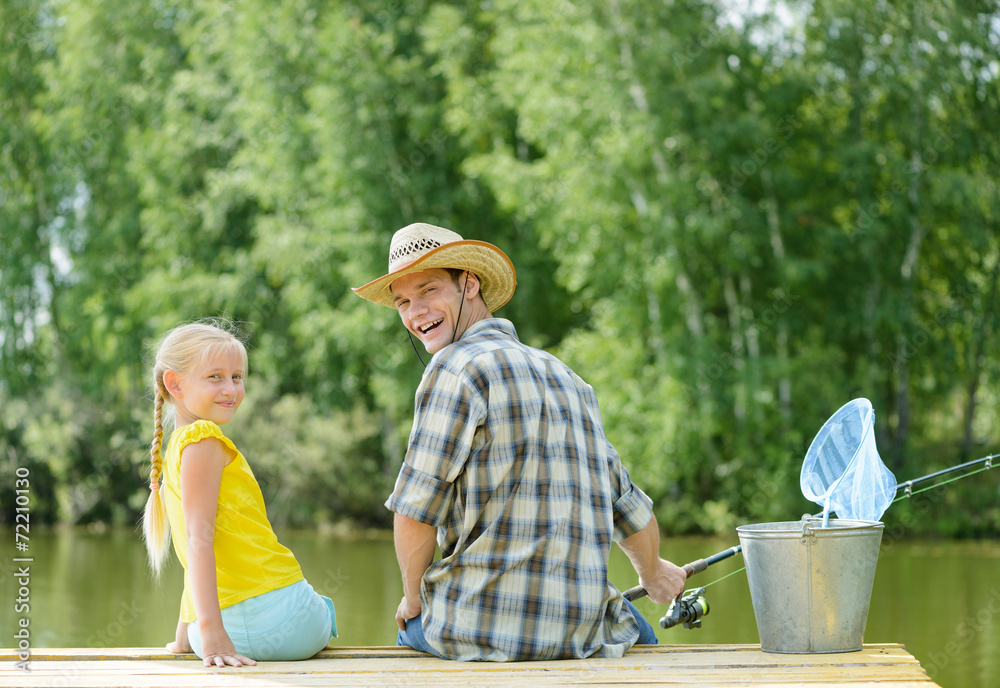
(808, 535)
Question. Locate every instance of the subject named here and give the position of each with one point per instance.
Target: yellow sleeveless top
(249, 560)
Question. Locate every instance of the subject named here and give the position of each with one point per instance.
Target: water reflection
(942, 599)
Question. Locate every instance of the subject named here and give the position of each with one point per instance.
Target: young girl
(244, 594)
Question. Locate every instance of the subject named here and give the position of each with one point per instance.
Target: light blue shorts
(290, 623)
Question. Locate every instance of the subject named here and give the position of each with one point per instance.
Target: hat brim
(494, 269)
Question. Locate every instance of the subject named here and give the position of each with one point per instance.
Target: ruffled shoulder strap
(199, 430)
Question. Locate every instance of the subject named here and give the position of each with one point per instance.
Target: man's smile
(424, 329)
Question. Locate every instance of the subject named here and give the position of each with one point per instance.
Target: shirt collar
(488, 326)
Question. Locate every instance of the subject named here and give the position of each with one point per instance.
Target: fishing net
(843, 472)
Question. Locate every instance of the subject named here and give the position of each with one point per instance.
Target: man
(508, 466)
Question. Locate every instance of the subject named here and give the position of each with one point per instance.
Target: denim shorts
(413, 636)
(290, 623)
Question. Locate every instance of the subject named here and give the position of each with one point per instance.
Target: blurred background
(730, 218)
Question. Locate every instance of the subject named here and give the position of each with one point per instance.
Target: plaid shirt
(508, 458)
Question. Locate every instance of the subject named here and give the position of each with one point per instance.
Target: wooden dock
(645, 665)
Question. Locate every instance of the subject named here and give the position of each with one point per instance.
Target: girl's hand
(217, 649)
(180, 645)
(179, 648)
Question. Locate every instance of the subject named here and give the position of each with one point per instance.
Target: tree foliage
(730, 223)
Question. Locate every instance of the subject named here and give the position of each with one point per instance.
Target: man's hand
(664, 583)
(414, 551)
(408, 609)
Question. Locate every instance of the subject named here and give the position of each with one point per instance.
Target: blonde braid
(155, 526)
(155, 448)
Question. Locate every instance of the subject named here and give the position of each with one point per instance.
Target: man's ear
(472, 285)
(171, 380)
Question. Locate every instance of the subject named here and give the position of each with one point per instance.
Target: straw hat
(421, 246)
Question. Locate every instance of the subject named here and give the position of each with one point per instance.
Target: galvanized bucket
(811, 586)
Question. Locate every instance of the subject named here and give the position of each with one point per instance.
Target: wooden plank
(660, 665)
(146, 653)
(799, 674)
(639, 653)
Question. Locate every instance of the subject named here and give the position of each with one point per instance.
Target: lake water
(939, 599)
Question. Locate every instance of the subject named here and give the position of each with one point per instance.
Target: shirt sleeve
(450, 409)
(200, 429)
(632, 507)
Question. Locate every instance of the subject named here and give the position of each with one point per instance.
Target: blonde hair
(180, 350)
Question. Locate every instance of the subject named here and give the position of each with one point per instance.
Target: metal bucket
(811, 586)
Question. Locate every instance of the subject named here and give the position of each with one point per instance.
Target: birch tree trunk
(912, 256)
(989, 310)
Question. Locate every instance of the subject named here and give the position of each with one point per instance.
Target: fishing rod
(907, 487)
(692, 606)
(690, 569)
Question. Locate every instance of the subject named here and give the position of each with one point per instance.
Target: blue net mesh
(843, 472)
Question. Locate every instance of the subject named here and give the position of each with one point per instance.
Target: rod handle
(690, 569)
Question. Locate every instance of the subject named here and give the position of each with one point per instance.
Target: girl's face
(211, 390)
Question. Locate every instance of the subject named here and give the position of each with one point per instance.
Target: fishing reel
(687, 610)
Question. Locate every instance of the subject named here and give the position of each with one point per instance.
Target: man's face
(428, 303)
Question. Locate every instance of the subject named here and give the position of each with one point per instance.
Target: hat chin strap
(461, 304)
(419, 357)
